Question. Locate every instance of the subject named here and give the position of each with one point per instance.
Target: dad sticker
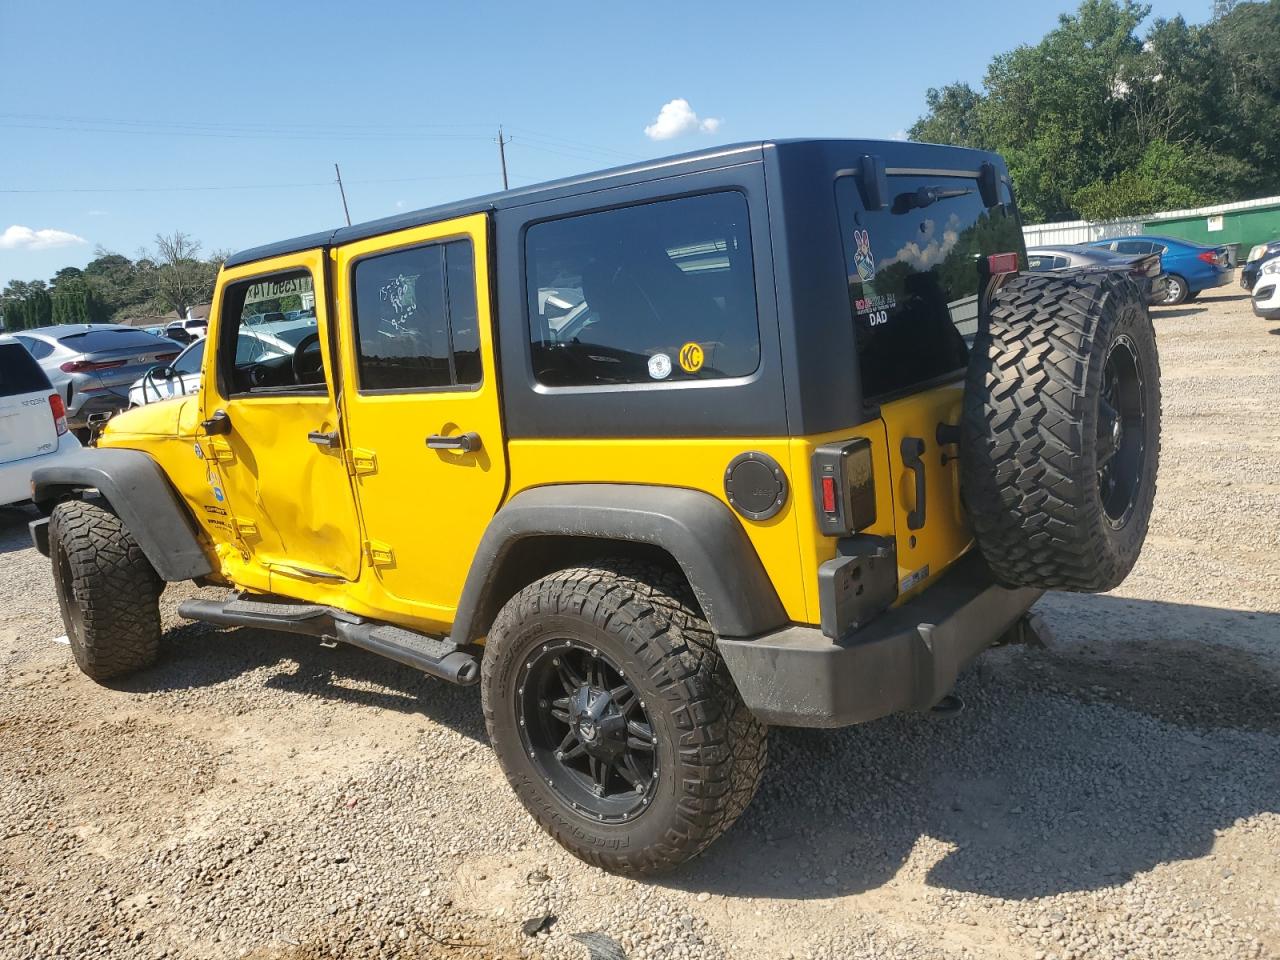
(691, 358)
(659, 366)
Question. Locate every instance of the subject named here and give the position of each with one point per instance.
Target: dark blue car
(1191, 267)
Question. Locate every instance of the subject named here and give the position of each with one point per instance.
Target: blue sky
(109, 113)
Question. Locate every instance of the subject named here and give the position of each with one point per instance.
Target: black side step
(437, 656)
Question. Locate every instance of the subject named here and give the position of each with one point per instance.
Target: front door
(279, 466)
(421, 407)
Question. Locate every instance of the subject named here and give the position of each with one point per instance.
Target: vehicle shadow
(13, 528)
(1029, 792)
(1188, 312)
(197, 655)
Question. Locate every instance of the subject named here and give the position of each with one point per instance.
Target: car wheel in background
(1175, 291)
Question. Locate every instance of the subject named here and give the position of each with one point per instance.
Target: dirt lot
(259, 796)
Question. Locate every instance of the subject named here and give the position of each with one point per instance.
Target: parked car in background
(33, 422)
(1266, 291)
(186, 331)
(1144, 268)
(182, 377)
(95, 363)
(1258, 255)
(1191, 267)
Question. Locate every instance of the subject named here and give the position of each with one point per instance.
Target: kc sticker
(659, 366)
(691, 357)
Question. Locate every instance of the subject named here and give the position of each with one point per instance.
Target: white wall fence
(1084, 231)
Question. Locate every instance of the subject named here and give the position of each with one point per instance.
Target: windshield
(913, 275)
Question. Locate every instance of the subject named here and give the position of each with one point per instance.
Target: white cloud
(934, 250)
(677, 118)
(899, 135)
(97, 213)
(24, 238)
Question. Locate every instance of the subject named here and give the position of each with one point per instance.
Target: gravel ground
(259, 796)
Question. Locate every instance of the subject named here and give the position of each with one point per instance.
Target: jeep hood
(165, 418)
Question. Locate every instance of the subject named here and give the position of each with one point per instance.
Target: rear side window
(417, 325)
(656, 292)
(913, 276)
(37, 348)
(112, 338)
(1134, 246)
(19, 372)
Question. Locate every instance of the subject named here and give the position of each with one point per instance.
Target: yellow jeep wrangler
(776, 433)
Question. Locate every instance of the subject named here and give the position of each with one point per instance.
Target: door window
(1134, 246)
(417, 326)
(655, 292)
(191, 359)
(260, 352)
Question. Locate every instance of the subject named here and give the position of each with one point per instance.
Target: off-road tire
(108, 592)
(711, 749)
(1029, 447)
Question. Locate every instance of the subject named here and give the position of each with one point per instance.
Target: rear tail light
(166, 357)
(89, 366)
(998, 263)
(845, 487)
(59, 411)
(1208, 257)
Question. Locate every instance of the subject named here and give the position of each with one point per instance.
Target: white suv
(1266, 290)
(33, 422)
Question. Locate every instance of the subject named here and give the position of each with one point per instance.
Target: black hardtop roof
(894, 152)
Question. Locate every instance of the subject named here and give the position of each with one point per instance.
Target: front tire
(108, 592)
(615, 719)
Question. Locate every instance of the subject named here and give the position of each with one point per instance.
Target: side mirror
(218, 425)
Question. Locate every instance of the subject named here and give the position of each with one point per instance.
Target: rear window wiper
(926, 197)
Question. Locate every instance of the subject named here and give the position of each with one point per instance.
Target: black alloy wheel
(1121, 432)
(587, 731)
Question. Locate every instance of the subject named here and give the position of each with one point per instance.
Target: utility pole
(343, 193)
(502, 155)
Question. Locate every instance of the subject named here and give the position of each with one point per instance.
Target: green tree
(1098, 117)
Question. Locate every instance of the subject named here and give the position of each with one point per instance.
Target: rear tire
(619, 624)
(108, 592)
(1175, 291)
(1061, 432)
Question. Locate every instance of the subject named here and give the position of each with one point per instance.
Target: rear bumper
(15, 476)
(1219, 278)
(906, 659)
(99, 401)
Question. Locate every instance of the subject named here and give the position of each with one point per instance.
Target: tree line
(1101, 120)
(112, 287)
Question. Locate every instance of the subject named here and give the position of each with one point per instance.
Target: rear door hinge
(219, 450)
(361, 462)
(379, 553)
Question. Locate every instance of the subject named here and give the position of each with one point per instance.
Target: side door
(421, 407)
(275, 452)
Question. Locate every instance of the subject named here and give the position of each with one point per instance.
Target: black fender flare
(141, 496)
(699, 532)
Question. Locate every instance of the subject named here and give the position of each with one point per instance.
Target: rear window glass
(19, 372)
(913, 276)
(656, 292)
(94, 341)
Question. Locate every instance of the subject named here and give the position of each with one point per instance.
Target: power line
(238, 186)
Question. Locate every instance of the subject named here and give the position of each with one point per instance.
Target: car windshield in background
(19, 372)
(913, 275)
(110, 338)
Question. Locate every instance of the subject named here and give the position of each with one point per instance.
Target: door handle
(322, 439)
(912, 450)
(466, 442)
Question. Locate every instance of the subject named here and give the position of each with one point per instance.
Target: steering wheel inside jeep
(308, 362)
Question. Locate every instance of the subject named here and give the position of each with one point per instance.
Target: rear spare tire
(108, 592)
(1061, 431)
